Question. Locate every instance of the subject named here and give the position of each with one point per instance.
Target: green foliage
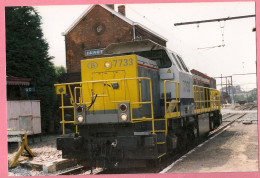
(247, 96)
(239, 98)
(252, 95)
(59, 70)
(27, 56)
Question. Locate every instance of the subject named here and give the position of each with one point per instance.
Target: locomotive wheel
(154, 163)
(218, 120)
(185, 139)
(190, 134)
(182, 142)
(211, 124)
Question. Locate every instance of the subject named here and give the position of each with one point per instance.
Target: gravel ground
(234, 150)
(24, 172)
(45, 150)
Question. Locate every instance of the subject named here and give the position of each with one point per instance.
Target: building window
(99, 28)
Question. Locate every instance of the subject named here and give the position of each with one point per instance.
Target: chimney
(121, 10)
(112, 6)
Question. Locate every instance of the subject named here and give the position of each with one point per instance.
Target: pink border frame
(3, 125)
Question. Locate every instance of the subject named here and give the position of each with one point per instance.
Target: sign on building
(30, 89)
(94, 52)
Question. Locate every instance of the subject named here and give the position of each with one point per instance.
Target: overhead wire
(182, 45)
(154, 24)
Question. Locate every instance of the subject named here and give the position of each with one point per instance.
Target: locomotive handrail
(176, 102)
(143, 119)
(63, 121)
(75, 95)
(98, 81)
(201, 104)
(206, 99)
(177, 96)
(73, 99)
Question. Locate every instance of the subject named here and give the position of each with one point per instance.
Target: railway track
(228, 116)
(72, 171)
(248, 107)
(228, 120)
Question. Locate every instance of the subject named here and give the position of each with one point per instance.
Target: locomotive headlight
(107, 65)
(123, 107)
(123, 117)
(80, 118)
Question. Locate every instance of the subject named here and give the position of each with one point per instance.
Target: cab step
(161, 155)
(160, 143)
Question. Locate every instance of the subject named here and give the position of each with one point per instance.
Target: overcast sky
(238, 56)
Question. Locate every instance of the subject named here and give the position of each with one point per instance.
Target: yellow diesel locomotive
(136, 104)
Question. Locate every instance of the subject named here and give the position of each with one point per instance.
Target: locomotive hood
(131, 47)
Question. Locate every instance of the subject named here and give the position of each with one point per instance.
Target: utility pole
(221, 81)
(232, 90)
(231, 84)
(227, 85)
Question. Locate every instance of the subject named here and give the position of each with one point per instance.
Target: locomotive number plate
(123, 62)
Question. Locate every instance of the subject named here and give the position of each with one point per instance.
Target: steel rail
(231, 115)
(72, 171)
(224, 126)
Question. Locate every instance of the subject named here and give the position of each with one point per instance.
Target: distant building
(20, 110)
(16, 87)
(96, 28)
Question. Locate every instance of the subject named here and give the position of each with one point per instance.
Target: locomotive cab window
(159, 56)
(182, 63)
(177, 62)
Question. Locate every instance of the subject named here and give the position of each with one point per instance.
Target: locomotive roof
(131, 46)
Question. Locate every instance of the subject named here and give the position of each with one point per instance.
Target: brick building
(96, 28)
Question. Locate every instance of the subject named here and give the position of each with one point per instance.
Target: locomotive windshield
(159, 56)
(144, 48)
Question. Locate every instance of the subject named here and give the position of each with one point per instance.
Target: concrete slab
(247, 122)
(49, 167)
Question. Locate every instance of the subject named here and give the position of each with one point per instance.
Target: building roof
(18, 81)
(124, 18)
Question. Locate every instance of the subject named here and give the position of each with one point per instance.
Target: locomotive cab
(171, 67)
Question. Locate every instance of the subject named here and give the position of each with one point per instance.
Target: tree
(59, 71)
(27, 56)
